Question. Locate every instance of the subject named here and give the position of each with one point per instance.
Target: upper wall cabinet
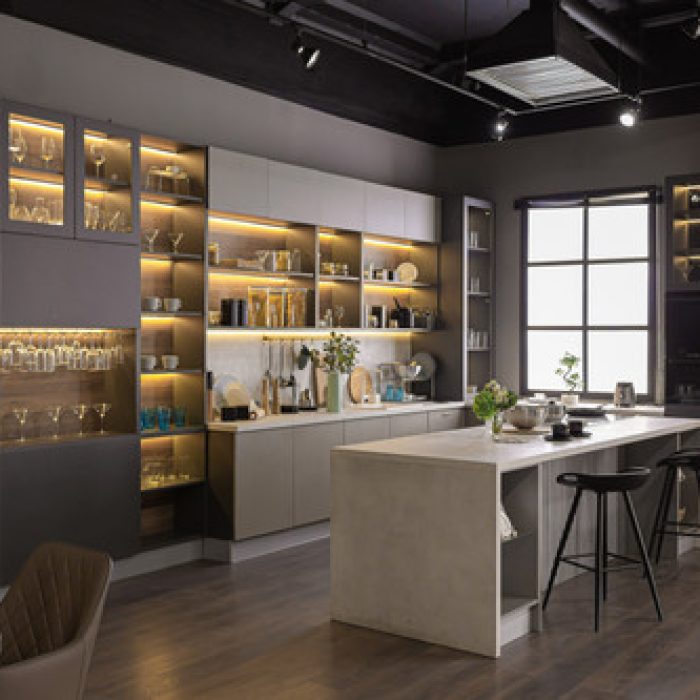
(421, 217)
(294, 193)
(342, 202)
(384, 210)
(107, 183)
(238, 183)
(37, 153)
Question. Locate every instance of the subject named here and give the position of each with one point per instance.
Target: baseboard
(157, 559)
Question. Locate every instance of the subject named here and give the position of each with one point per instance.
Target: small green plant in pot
(491, 402)
(338, 357)
(568, 371)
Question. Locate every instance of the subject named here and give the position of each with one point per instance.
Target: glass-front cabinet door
(38, 160)
(107, 174)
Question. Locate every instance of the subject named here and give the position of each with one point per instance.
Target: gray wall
(578, 160)
(48, 68)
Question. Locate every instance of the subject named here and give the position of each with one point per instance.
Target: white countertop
(291, 420)
(475, 445)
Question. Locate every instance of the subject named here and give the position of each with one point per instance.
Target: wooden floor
(260, 631)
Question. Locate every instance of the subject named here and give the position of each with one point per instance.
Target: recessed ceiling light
(309, 55)
(629, 116)
(500, 126)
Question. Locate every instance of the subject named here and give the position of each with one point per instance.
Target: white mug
(172, 305)
(152, 303)
(170, 362)
(148, 362)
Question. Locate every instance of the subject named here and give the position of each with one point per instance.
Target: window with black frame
(588, 290)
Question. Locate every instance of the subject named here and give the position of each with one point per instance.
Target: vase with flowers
(338, 357)
(490, 404)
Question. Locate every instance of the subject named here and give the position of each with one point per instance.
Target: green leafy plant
(568, 372)
(339, 353)
(493, 399)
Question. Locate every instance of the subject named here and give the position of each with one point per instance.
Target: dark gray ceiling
(394, 64)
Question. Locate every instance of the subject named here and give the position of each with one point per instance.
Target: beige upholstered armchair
(49, 620)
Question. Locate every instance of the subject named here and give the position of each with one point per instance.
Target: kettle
(624, 395)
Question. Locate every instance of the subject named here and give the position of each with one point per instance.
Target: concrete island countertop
(291, 420)
(474, 446)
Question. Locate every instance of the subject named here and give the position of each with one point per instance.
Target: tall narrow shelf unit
(464, 344)
(173, 456)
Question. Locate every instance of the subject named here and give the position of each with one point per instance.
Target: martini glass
(21, 414)
(55, 416)
(80, 410)
(150, 237)
(175, 240)
(102, 410)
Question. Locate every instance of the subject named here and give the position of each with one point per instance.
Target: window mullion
(584, 301)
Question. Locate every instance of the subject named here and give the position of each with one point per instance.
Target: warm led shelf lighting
(242, 223)
(156, 262)
(159, 151)
(327, 236)
(155, 318)
(36, 183)
(36, 125)
(389, 288)
(60, 331)
(388, 244)
(232, 274)
(96, 136)
(300, 333)
(163, 205)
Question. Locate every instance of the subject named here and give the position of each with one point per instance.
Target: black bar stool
(683, 459)
(602, 485)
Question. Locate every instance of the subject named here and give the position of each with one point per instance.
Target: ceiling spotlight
(500, 126)
(629, 116)
(308, 55)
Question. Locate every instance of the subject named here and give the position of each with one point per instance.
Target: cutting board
(320, 385)
(360, 384)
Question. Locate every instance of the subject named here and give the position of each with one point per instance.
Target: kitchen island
(415, 539)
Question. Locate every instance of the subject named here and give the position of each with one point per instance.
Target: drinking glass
(13, 202)
(18, 145)
(21, 414)
(151, 237)
(180, 416)
(154, 178)
(98, 155)
(175, 240)
(164, 418)
(339, 315)
(55, 416)
(40, 212)
(56, 211)
(48, 150)
(102, 410)
(80, 410)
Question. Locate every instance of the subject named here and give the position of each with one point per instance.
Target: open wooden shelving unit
(173, 462)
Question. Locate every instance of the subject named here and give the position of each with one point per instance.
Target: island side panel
(415, 549)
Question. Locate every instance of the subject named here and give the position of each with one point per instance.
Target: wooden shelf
(398, 285)
(47, 441)
(171, 371)
(187, 430)
(105, 184)
(337, 278)
(51, 177)
(173, 485)
(170, 198)
(315, 330)
(175, 257)
(171, 314)
(236, 272)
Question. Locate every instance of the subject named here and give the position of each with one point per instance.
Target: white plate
(407, 272)
(228, 391)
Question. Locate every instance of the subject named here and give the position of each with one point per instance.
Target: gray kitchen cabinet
(408, 424)
(421, 217)
(384, 210)
(68, 283)
(262, 482)
(342, 202)
(366, 430)
(449, 419)
(311, 473)
(238, 183)
(294, 193)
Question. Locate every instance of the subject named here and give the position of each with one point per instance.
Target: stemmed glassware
(99, 156)
(21, 414)
(18, 145)
(175, 240)
(151, 237)
(48, 150)
(55, 416)
(102, 410)
(80, 410)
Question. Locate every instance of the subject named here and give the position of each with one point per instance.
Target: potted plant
(338, 357)
(568, 371)
(491, 402)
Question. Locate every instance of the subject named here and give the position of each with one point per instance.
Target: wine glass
(18, 145)
(98, 155)
(339, 315)
(150, 237)
(175, 240)
(21, 414)
(102, 410)
(80, 410)
(40, 212)
(55, 416)
(48, 150)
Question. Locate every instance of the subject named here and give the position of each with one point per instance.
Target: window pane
(544, 350)
(620, 231)
(555, 295)
(555, 234)
(618, 294)
(617, 356)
